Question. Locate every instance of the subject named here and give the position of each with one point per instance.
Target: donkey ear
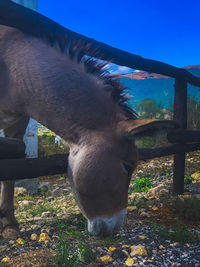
(141, 127)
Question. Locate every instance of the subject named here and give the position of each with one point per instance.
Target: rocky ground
(160, 229)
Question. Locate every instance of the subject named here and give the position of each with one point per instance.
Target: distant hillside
(142, 85)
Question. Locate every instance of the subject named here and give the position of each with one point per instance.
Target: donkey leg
(10, 225)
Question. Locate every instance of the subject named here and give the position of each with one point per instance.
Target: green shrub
(47, 146)
(148, 108)
(142, 184)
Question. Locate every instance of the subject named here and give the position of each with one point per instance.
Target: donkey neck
(61, 95)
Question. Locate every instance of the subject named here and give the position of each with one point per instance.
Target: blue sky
(168, 30)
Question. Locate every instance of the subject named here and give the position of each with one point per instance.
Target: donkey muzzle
(102, 226)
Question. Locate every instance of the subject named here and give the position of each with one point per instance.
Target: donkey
(73, 96)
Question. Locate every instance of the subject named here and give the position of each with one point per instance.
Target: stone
(105, 259)
(34, 237)
(131, 208)
(46, 214)
(35, 227)
(10, 233)
(26, 203)
(57, 191)
(138, 251)
(43, 187)
(145, 214)
(156, 190)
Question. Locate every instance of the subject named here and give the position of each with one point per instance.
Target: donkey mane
(39, 26)
(117, 89)
(77, 50)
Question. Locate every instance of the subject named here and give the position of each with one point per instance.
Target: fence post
(180, 115)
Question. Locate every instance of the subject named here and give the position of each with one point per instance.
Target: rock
(105, 259)
(26, 203)
(57, 191)
(10, 233)
(131, 208)
(34, 237)
(65, 190)
(144, 214)
(125, 253)
(138, 251)
(36, 218)
(40, 201)
(156, 190)
(46, 214)
(43, 187)
(35, 227)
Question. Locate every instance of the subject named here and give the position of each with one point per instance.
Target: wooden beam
(37, 25)
(17, 169)
(180, 115)
(150, 153)
(183, 136)
(11, 148)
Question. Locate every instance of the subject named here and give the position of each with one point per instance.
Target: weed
(66, 256)
(138, 202)
(187, 208)
(179, 234)
(108, 241)
(72, 226)
(188, 179)
(37, 210)
(87, 255)
(142, 184)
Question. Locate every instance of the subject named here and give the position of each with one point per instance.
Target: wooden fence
(185, 141)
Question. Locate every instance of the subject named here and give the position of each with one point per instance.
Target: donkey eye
(128, 168)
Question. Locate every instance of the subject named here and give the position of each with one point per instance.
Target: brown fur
(80, 103)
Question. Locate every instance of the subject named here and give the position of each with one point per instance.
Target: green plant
(148, 108)
(138, 202)
(67, 256)
(179, 234)
(142, 184)
(108, 241)
(86, 254)
(187, 208)
(188, 179)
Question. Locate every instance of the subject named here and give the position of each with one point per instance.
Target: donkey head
(100, 168)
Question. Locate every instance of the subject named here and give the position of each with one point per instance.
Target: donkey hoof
(10, 232)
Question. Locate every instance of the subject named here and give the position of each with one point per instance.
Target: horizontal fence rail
(16, 169)
(184, 136)
(27, 168)
(11, 148)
